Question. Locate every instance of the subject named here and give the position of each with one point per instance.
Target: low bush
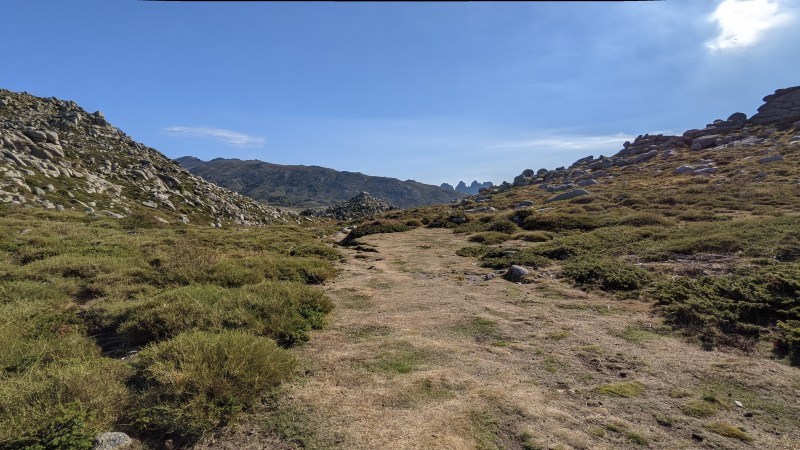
(561, 222)
(787, 341)
(608, 274)
(720, 243)
(199, 381)
(490, 237)
(69, 430)
(642, 220)
(315, 250)
(720, 309)
(503, 258)
(47, 405)
(374, 228)
(503, 226)
(558, 252)
(474, 251)
(283, 311)
(534, 236)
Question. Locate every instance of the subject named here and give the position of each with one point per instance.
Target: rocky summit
(57, 156)
(780, 111)
(361, 206)
(472, 189)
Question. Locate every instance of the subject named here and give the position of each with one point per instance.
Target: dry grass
(417, 365)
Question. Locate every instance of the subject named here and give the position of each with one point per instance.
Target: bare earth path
(423, 353)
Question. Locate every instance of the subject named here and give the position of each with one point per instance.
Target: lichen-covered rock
(113, 440)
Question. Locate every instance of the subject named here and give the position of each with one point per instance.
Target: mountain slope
(58, 156)
(311, 186)
(647, 299)
(704, 223)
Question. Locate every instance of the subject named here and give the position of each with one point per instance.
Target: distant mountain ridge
(462, 187)
(311, 186)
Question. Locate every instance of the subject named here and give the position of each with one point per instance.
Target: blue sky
(436, 92)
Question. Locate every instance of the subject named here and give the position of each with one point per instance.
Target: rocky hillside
(361, 206)
(711, 151)
(704, 223)
(57, 156)
(311, 186)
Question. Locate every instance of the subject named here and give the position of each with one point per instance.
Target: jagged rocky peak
(56, 155)
(463, 188)
(361, 206)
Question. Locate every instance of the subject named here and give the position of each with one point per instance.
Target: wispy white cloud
(569, 142)
(742, 23)
(229, 137)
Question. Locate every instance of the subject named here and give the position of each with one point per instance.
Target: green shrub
(490, 237)
(36, 404)
(315, 250)
(558, 252)
(721, 308)
(788, 253)
(561, 222)
(68, 430)
(282, 311)
(503, 227)
(608, 274)
(534, 236)
(787, 341)
(642, 220)
(285, 268)
(503, 258)
(474, 251)
(236, 272)
(374, 228)
(705, 244)
(199, 381)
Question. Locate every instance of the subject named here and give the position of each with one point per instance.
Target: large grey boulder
(782, 106)
(558, 187)
(769, 159)
(113, 440)
(516, 273)
(52, 136)
(36, 135)
(567, 195)
(703, 142)
(646, 156)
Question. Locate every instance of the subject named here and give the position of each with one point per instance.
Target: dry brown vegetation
(422, 352)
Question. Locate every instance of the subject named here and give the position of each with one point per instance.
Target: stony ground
(424, 352)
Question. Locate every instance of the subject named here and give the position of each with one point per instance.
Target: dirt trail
(423, 352)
